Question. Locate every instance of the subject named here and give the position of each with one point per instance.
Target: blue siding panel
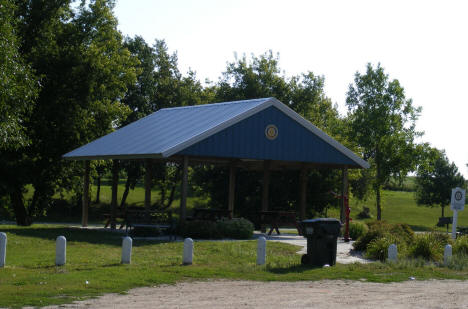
(246, 139)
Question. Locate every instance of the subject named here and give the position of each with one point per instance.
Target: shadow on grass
(77, 235)
(298, 268)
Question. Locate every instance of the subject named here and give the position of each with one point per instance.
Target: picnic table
(276, 218)
(147, 219)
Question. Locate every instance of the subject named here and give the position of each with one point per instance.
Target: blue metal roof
(172, 131)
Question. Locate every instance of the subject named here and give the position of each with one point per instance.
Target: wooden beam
(344, 192)
(183, 197)
(115, 186)
(303, 194)
(148, 183)
(266, 184)
(85, 199)
(232, 188)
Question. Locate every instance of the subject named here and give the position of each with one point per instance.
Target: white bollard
(392, 253)
(188, 251)
(261, 251)
(126, 250)
(3, 243)
(60, 251)
(447, 254)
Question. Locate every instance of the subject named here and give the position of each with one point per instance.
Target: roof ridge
(215, 104)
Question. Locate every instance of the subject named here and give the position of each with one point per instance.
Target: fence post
(447, 254)
(3, 243)
(126, 250)
(392, 253)
(60, 251)
(188, 251)
(261, 251)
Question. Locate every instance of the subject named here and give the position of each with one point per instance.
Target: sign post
(457, 203)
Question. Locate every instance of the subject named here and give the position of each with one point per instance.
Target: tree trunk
(379, 209)
(443, 211)
(98, 190)
(125, 194)
(21, 214)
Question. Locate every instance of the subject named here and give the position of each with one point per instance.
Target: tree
(382, 124)
(261, 77)
(84, 71)
(18, 85)
(435, 178)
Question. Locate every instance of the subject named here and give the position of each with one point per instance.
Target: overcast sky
(423, 44)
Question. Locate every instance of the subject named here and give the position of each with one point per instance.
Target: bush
(145, 232)
(460, 247)
(238, 228)
(427, 246)
(402, 234)
(201, 229)
(364, 214)
(377, 249)
(357, 229)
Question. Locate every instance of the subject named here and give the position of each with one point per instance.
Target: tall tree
(84, 71)
(382, 123)
(435, 178)
(18, 85)
(260, 77)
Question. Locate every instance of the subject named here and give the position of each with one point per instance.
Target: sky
(423, 44)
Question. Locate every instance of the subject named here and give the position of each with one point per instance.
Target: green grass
(401, 207)
(31, 279)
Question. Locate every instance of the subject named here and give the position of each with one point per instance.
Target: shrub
(427, 246)
(364, 214)
(203, 229)
(460, 247)
(377, 249)
(357, 229)
(238, 228)
(402, 234)
(145, 232)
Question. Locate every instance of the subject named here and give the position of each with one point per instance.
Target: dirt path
(317, 294)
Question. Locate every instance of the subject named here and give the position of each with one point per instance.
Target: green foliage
(427, 246)
(382, 124)
(400, 233)
(200, 229)
(237, 228)
(377, 249)
(18, 85)
(435, 178)
(84, 72)
(460, 246)
(357, 229)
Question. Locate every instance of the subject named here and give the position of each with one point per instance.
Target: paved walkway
(344, 251)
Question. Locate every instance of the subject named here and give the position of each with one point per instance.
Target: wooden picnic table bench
(277, 218)
(143, 219)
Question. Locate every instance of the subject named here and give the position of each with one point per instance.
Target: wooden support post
(85, 199)
(232, 188)
(115, 186)
(148, 183)
(303, 197)
(183, 191)
(266, 184)
(344, 192)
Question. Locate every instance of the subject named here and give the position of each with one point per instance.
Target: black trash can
(321, 237)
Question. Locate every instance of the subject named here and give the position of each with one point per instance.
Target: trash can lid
(319, 220)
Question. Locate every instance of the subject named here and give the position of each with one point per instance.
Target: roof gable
(247, 139)
(171, 131)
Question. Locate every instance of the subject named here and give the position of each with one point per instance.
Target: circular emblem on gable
(271, 131)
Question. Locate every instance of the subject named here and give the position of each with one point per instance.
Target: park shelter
(262, 134)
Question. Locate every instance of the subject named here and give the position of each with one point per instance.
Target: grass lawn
(31, 279)
(400, 207)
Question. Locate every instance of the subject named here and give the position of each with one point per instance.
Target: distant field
(400, 207)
